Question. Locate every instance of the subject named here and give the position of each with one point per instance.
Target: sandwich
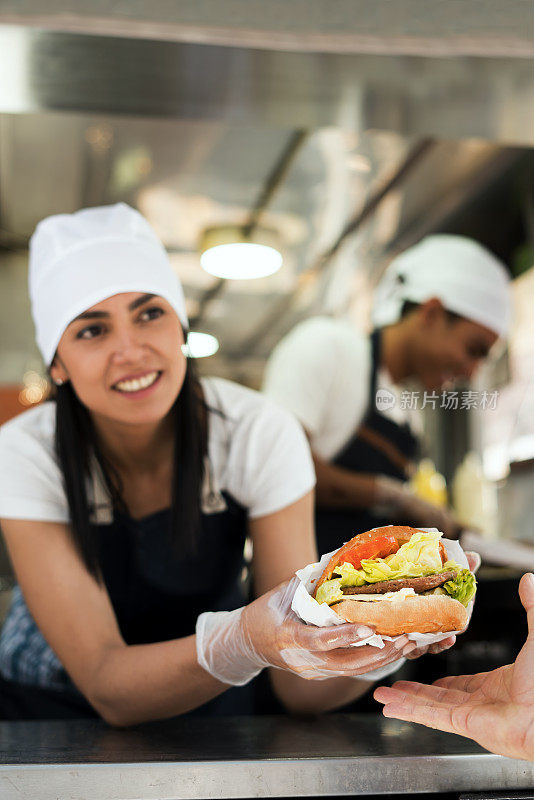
(399, 580)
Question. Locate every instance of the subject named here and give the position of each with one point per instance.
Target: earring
(59, 382)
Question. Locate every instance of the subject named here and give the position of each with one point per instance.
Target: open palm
(495, 708)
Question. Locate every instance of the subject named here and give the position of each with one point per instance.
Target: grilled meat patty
(417, 584)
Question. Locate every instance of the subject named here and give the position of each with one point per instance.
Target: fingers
(331, 638)
(310, 666)
(347, 662)
(408, 691)
(417, 652)
(463, 683)
(522, 681)
(473, 559)
(433, 649)
(359, 660)
(526, 593)
(439, 647)
(413, 711)
(426, 705)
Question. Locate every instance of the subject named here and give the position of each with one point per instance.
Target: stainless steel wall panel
(464, 97)
(414, 27)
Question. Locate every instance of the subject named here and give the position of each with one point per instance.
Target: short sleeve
(270, 464)
(321, 372)
(31, 485)
(300, 372)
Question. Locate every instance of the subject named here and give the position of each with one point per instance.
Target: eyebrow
(105, 315)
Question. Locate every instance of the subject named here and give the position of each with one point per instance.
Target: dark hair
(76, 444)
(408, 306)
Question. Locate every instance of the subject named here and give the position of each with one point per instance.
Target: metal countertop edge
(274, 777)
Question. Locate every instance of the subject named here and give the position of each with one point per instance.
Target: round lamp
(200, 345)
(230, 252)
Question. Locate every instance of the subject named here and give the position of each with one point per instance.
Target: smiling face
(444, 348)
(123, 358)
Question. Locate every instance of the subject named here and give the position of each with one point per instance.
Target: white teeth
(137, 384)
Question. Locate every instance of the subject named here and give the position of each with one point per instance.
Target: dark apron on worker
(157, 593)
(379, 446)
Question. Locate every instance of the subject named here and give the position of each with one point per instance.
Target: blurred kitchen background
(338, 140)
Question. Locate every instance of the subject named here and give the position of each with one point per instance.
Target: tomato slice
(371, 544)
(380, 547)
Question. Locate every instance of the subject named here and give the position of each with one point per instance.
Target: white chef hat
(461, 273)
(77, 260)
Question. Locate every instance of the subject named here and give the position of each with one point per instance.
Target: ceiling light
(200, 345)
(228, 251)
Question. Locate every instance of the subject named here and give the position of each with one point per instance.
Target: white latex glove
(234, 646)
(395, 498)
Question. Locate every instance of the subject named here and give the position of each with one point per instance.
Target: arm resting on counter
(129, 684)
(139, 683)
(125, 684)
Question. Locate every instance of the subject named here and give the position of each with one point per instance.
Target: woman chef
(126, 499)
(438, 310)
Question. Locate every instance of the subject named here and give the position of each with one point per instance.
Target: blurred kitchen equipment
(474, 497)
(429, 484)
(499, 551)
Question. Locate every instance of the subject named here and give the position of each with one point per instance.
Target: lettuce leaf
(378, 569)
(462, 587)
(329, 592)
(350, 576)
(422, 549)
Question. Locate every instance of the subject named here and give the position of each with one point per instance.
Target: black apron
(379, 446)
(157, 594)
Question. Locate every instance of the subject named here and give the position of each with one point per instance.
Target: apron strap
(375, 364)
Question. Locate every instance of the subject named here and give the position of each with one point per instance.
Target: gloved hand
(395, 499)
(234, 646)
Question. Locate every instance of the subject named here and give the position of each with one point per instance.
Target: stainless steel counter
(244, 757)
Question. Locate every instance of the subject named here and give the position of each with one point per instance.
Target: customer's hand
(234, 646)
(398, 500)
(495, 708)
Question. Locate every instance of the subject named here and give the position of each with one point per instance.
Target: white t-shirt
(257, 453)
(321, 372)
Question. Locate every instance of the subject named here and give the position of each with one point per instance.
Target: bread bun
(420, 614)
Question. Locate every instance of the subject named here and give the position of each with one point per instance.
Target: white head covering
(461, 273)
(77, 260)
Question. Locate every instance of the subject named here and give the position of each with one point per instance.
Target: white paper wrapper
(310, 611)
